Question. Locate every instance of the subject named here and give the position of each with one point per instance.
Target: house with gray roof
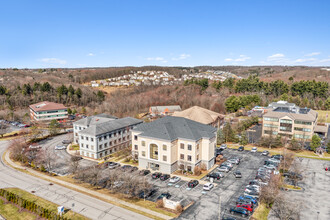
(173, 143)
(101, 135)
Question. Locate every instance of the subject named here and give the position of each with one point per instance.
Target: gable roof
(95, 119)
(199, 114)
(310, 116)
(171, 128)
(46, 106)
(108, 126)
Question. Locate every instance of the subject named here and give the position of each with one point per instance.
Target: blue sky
(96, 33)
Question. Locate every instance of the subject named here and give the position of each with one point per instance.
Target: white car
(208, 186)
(223, 169)
(254, 149)
(270, 167)
(174, 179)
(228, 164)
(60, 147)
(223, 146)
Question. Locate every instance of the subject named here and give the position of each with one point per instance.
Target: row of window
(300, 136)
(270, 125)
(302, 129)
(270, 119)
(270, 132)
(49, 112)
(288, 121)
(92, 139)
(51, 116)
(285, 128)
(303, 122)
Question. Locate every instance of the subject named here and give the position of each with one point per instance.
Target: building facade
(101, 135)
(163, 110)
(173, 143)
(290, 121)
(44, 111)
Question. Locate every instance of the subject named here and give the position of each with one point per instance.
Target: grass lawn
(261, 213)
(74, 147)
(45, 203)
(292, 187)
(322, 116)
(10, 211)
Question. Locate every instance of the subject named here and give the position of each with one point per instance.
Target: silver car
(174, 179)
(223, 169)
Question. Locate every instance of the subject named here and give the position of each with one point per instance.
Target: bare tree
(47, 158)
(297, 171)
(269, 192)
(3, 129)
(18, 148)
(74, 163)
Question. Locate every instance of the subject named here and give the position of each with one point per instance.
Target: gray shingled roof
(95, 119)
(172, 128)
(108, 126)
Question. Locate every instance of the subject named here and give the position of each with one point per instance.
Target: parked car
(208, 186)
(215, 175)
(277, 157)
(327, 168)
(193, 183)
(66, 142)
(255, 182)
(146, 193)
(126, 168)
(218, 151)
(166, 195)
(239, 210)
(243, 201)
(237, 174)
(292, 175)
(254, 149)
(111, 165)
(174, 179)
(156, 175)
(241, 148)
(228, 164)
(35, 146)
(223, 146)
(144, 172)
(274, 160)
(60, 147)
(234, 161)
(252, 193)
(223, 169)
(265, 153)
(133, 169)
(252, 199)
(164, 177)
(270, 167)
(248, 207)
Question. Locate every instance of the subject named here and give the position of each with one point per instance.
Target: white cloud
(53, 60)
(276, 57)
(159, 59)
(181, 57)
(241, 58)
(312, 54)
(91, 54)
(325, 61)
(302, 60)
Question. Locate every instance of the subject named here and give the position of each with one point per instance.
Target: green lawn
(261, 213)
(10, 211)
(45, 203)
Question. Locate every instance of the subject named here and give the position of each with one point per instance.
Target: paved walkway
(83, 189)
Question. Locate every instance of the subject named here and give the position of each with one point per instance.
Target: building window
(303, 122)
(123, 138)
(86, 138)
(136, 147)
(287, 121)
(302, 129)
(270, 119)
(82, 137)
(87, 146)
(197, 157)
(197, 146)
(100, 138)
(76, 134)
(270, 125)
(143, 153)
(270, 132)
(164, 147)
(181, 166)
(92, 155)
(153, 151)
(105, 145)
(164, 158)
(92, 147)
(182, 156)
(115, 141)
(82, 145)
(189, 168)
(110, 143)
(100, 146)
(105, 137)
(182, 146)
(101, 154)
(119, 140)
(92, 139)
(143, 143)
(189, 147)
(189, 158)
(110, 135)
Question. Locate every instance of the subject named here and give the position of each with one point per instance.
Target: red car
(248, 207)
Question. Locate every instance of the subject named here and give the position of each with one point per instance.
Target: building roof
(171, 108)
(46, 106)
(309, 115)
(171, 128)
(199, 114)
(321, 128)
(281, 104)
(108, 126)
(95, 119)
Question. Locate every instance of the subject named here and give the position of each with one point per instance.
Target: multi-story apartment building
(101, 135)
(289, 120)
(173, 143)
(44, 111)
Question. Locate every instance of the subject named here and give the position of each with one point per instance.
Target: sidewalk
(83, 189)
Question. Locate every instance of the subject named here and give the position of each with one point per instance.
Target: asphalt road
(78, 202)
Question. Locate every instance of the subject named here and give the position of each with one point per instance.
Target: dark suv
(164, 177)
(241, 148)
(214, 175)
(239, 210)
(193, 183)
(156, 175)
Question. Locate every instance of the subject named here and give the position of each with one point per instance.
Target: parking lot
(62, 165)
(227, 189)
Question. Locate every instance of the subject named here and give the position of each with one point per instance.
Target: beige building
(202, 115)
(173, 143)
(44, 111)
(289, 120)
